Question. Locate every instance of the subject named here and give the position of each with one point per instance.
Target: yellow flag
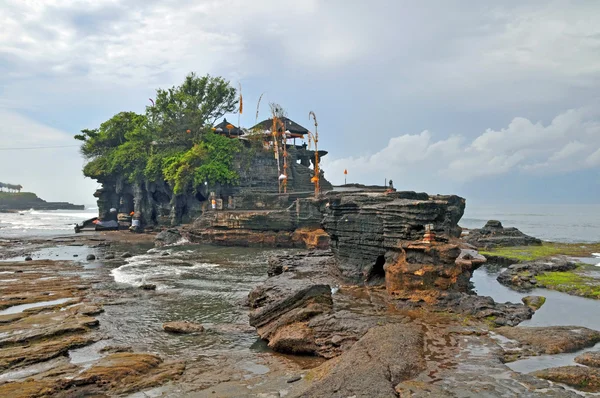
(241, 103)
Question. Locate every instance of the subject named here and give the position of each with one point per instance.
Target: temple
(273, 172)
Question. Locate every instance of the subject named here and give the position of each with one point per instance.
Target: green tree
(195, 106)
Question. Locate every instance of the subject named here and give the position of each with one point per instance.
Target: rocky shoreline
(406, 323)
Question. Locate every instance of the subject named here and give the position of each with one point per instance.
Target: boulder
(167, 237)
(28, 258)
(493, 234)
(90, 257)
(147, 286)
(182, 327)
(534, 302)
(380, 360)
(126, 255)
(109, 256)
(591, 358)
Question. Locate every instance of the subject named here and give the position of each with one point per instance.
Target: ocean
(557, 223)
(554, 223)
(38, 223)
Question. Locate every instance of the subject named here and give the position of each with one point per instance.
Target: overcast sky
(496, 102)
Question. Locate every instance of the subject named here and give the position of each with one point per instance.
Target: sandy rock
(589, 359)
(534, 302)
(182, 327)
(126, 372)
(580, 377)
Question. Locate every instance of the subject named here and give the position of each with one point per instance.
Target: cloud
(571, 141)
(54, 174)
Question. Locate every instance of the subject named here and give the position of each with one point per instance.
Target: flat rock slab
(580, 377)
(182, 327)
(552, 339)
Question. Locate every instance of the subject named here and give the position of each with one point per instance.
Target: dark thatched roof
(221, 128)
(290, 125)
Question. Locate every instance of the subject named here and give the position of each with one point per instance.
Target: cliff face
(29, 200)
(257, 189)
(364, 226)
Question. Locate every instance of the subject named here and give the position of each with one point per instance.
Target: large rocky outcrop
(364, 226)
(155, 203)
(493, 234)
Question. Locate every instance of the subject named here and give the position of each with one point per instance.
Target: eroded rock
(380, 360)
(364, 226)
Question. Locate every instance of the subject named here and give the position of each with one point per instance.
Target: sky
(497, 102)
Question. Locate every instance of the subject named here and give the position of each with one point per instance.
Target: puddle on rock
(15, 309)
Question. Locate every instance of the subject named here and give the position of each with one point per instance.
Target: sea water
(42, 223)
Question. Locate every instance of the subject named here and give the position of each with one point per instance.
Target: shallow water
(560, 309)
(203, 284)
(15, 309)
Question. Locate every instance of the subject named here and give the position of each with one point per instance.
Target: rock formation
(364, 226)
(154, 202)
(522, 276)
(493, 234)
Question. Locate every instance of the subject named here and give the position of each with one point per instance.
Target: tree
(183, 113)
(111, 134)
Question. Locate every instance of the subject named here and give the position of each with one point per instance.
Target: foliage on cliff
(172, 141)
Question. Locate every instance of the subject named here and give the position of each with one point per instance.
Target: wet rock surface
(522, 276)
(493, 234)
